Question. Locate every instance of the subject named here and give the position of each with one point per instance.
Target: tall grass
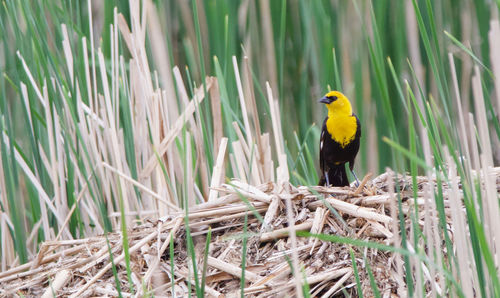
(100, 130)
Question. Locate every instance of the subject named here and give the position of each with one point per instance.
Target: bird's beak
(325, 100)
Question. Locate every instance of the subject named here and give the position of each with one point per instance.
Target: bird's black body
(333, 157)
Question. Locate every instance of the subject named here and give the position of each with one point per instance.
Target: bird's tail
(337, 176)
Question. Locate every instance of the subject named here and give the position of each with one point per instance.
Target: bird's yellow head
(337, 103)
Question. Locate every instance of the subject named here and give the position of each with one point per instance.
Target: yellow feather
(341, 124)
(341, 128)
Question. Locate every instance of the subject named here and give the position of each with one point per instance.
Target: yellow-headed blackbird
(340, 137)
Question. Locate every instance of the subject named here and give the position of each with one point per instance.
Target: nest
(369, 213)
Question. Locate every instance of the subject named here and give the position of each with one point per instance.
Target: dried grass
(82, 267)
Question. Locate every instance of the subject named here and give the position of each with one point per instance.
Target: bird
(339, 142)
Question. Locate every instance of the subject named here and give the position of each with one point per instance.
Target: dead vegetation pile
(83, 267)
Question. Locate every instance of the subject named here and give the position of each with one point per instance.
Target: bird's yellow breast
(342, 128)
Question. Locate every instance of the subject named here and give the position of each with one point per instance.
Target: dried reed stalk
(267, 270)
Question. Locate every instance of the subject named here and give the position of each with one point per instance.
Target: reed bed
(367, 213)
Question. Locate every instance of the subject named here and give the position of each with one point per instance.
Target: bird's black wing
(358, 130)
(321, 142)
(355, 142)
(324, 133)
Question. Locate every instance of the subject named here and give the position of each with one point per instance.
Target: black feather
(332, 156)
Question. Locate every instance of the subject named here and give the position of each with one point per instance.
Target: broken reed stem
(254, 112)
(218, 170)
(337, 285)
(231, 269)
(353, 210)
(243, 106)
(284, 232)
(61, 279)
(362, 184)
(262, 198)
(320, 217)
(271, 213)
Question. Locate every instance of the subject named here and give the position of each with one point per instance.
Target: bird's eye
(333, 98)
